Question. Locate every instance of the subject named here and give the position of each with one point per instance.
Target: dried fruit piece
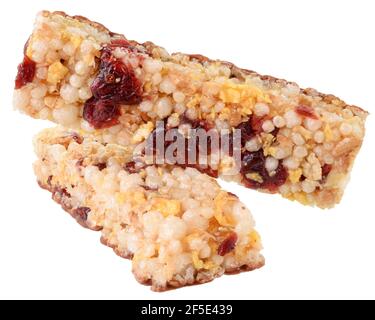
(228, 244)
(26, 72)
(306, 111)
(326, 169)
(77, 138)
(116, 80)
(101, 114)
(101, 166)
(256, 123)
(82, 213)
(247, 132)
(115, 84)
(254, 162)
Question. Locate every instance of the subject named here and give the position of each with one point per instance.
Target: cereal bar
(177, 225)
(296, 142)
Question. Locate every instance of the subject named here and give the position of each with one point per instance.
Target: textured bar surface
(177, 225)
(296, 142)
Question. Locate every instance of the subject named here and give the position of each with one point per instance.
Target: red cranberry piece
(26, 72)
(228, 244)
(306, 111)
(61, 193)
(250, 128)
(119, 43)
(49, 180)
(196, 124)
(77, 138)
(272, 183)
(81, 213)
(101, 114)
(131, 167)
(254, 162)
(116, 81)
(247, 131)
(256, 123)
(101, 166)
(326, 169)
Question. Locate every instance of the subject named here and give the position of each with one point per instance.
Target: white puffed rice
(178, 96)
(145, 106)
(298, 139)
(308, 186)
(253, 144)
(346, 129)
(292, 119)
(300, 152)
(261, 109)
(271, 164)
(268, 126)
(163, 107)
(319, 137)
(167, 86)
(69, 93)
(312, 124)
(278, 121)
(66, 115)
(152, 65)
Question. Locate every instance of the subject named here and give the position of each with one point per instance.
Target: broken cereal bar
(296, 142)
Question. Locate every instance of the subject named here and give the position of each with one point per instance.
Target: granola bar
(177, 225)
(296, 142)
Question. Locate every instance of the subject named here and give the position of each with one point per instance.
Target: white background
(310, 253)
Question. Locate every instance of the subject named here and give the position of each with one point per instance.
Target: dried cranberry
(306, 111)
(49, 180)
(250, 128)
(254, 162)
(116, 80)
(119, 43)
(101, 114)
(228, 244)
(196, 124)
(61, 192)
(247, 131)
(134, 166)
(147, 188)
(256, 123)
(101, 166)
(272, 183)
(275, 132)
(26, 72)
(81, 213)
(130, 167)
(79, 163)
(77, 138)
(115, 84)
(326, 169)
